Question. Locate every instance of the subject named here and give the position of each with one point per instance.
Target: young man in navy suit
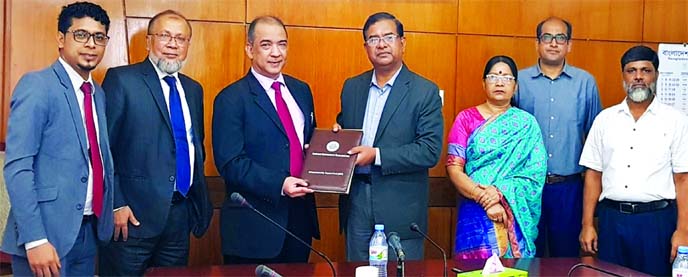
(260, 125)
(58, 168)
(155, 119)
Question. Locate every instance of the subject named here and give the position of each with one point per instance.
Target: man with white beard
(155, 123)
(637, 160)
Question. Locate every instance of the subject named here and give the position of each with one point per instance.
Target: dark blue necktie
(180, 141)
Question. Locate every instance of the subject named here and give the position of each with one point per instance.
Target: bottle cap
(381, 227)
(683, 249)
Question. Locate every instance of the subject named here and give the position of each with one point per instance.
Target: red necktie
(96, 162)
(295, 149)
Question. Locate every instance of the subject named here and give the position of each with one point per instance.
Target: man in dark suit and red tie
(260, 125)
(58, 167)
(155, 119)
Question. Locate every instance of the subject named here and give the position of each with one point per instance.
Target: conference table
(534, 266)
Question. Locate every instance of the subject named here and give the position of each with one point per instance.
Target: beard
(169, 67)
(638, 95)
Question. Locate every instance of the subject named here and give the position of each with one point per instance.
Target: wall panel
(602, 60)
(666, 21)
(599, 19)
(215, 60)
(420, 15)
(209, 10)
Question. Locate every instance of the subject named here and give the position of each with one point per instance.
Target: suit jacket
(143, 148)
(409, 137)
(47, 163)
(251, 152)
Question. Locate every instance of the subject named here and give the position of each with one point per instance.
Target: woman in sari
(497, 162)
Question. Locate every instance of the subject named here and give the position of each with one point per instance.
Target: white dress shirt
(638, 158)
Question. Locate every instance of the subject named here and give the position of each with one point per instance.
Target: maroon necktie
(96, 162)
(295, 150)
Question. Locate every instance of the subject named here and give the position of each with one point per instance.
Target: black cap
(640, 53)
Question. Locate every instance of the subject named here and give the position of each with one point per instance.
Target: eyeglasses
(166, 38)
(505, 79)
(374, 41)
(559, 38)
(83, 36)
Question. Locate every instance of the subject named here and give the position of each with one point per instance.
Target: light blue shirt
(565, 108)
(377, 97)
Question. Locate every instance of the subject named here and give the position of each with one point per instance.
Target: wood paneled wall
(448, 41)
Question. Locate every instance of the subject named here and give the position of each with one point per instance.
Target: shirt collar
(373, 82)
(564, 71)
(162, 74)
(74, 77)
(653, 108)
(266, 82)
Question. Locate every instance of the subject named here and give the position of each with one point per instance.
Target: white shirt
(294, 110)
(77, 81)
(185, 110)
(638, 158)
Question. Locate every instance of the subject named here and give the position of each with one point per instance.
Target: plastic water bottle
(378, 250)
(680, 267)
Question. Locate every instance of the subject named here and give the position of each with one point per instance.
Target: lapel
(74, 109)
(150, 77)
(263, 101)
(396, 96)
(361, 91)
(301, 98)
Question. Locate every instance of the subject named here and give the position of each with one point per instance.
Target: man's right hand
(588, 239)
(295, 187)
(122, 218)
(43, 260)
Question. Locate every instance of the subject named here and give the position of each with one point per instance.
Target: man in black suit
(400, 113)
(155, 120)
(260, 125)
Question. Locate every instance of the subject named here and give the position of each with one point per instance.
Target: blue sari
(508, 153)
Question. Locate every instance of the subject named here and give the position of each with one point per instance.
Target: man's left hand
(680, 237)
(366, 155)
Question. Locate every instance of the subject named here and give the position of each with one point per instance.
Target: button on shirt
(565, 108)
(185, 109)
(638, 158)
(294, 110)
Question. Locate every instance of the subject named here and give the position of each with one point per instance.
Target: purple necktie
(96, 162)
(295, 150)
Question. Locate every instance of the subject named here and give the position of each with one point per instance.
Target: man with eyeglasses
(261, 124)
(400, 113)
(155, 121)
(58, 169)
(565, 100)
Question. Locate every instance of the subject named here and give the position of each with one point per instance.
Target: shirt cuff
(35, 243)
(378, 162)
(117, 209)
